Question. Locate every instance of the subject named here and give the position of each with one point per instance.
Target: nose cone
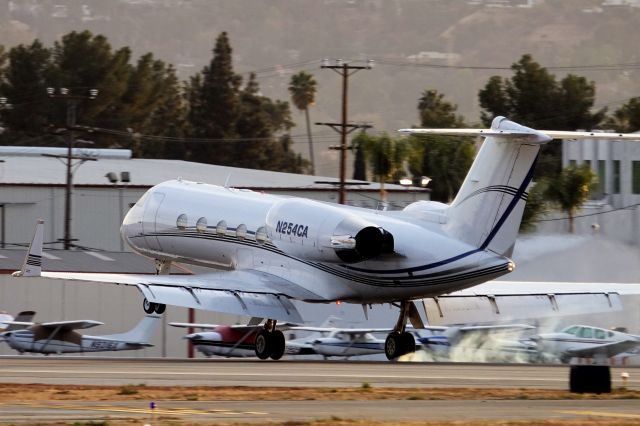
(132, 223)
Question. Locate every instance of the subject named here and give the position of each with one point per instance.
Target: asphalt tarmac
(220, 372)
(118, 371)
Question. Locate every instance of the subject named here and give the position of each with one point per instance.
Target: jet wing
(496, 327)
(343, 330)
(70, 325)
(246, 292)
(608, 349)
(280, 326)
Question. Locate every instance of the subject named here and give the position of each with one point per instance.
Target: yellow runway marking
(600, 414)
(166, 411)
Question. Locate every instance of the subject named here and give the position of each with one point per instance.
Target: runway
(163, 372)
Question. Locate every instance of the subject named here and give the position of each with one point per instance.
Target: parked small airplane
(60, 337)
(6, 319)
(270, 249)
(477, 342)
(240, 340)
(583, 341)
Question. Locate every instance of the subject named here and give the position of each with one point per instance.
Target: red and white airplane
(267, 250)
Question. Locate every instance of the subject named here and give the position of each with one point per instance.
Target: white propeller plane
(269, 250)
(583, 341)
(60, 337)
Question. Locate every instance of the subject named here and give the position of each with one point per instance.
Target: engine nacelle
(316, 231)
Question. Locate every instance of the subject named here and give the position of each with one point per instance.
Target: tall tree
(359, 163)
(534, 98)
(627, 117)
(215, 105)
(571, 189)
(386, 157)
(436, 112)
(303, 90)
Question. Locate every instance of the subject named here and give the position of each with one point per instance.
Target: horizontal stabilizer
(529, 136)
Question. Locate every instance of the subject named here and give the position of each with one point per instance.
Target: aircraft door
(149, 220)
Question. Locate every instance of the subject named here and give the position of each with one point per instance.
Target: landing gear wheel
(263, 344)
(277, 345)
(393, 346)
(408, 343)
(149, 307)
(160, 308)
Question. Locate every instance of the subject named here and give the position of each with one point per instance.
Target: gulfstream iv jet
(266, 250)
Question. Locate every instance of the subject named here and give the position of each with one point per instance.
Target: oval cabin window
(181, 223)
(241, 231)
(201, 225)
(221, 228)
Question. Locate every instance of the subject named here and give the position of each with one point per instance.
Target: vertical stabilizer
(141, 333)
(487, 210)
(32, 266)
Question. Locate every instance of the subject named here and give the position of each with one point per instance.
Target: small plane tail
(22, 317)
(141, 333)
(32, 266)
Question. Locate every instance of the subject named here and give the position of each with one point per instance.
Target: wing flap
(262, 305)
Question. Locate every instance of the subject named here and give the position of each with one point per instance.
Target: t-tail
(487, 211)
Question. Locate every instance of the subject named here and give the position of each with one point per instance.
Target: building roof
(19, 170)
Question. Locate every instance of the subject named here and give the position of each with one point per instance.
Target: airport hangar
(32, 186)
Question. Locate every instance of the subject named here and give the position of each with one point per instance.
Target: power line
(588, 215)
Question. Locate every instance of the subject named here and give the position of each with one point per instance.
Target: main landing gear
(270, 342)
(400, 342)
(151, 307)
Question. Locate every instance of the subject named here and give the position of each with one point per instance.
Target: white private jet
(583, 341)
(60, 337)
(270, 249)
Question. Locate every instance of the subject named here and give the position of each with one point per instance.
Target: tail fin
(141, 333)
(32, 266)
(487, 210)
(24, 316)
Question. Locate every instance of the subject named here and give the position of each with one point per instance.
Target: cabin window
(181, 223)
(241, 231)
(600, 334)
(572, 330)
(221, 228)
(261, 235)
(201, 225)
(609, 334)
(586, 333)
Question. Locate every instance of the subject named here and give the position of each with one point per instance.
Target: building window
(201, 225)
(602, 176)
(221, 228)
(616, 176)
(181, 223)
(241, 231)
(572, 163)
(635, 182)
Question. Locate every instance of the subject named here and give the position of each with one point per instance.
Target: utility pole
(72, 104)
(344, 128)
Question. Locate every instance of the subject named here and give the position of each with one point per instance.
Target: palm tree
(386, 157)
(570, 190)
(303, 90)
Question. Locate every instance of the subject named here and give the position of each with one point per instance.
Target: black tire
(160, 308)
(408, 343)
(393, 346)
(149, 307)
(263, 344)
(277, 345)
(590, 379)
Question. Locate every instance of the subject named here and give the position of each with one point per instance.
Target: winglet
(32, 266)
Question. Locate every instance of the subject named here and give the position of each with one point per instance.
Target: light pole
(72, 104)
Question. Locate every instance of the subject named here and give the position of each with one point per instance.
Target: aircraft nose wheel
(270, 344)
